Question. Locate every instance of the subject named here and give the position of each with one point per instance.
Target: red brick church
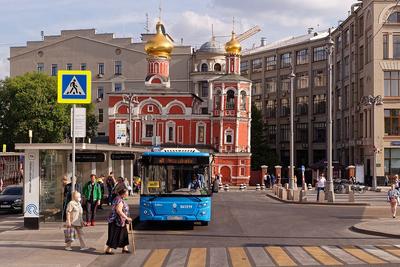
(168, 118)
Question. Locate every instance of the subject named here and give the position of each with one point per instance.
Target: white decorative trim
(150, 101)
(390, 65)
(226, 135)
(175, 103)
(387, 11)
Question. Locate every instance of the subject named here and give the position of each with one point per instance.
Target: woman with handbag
(393, 199)
(117, 231)
(74, 222)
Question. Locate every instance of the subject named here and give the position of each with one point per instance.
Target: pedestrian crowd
(90, 198)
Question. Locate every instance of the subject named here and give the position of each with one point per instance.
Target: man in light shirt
(320, 184)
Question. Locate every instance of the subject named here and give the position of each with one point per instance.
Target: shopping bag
(69, 234)
(131, 237)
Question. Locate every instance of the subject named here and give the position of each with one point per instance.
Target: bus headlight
(146, 204)
(203, 213)
(202, 205)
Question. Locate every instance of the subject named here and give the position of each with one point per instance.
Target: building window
(270, 85)
(271, 109)
(346, 68)
(319, 104)
(83, 66)
(257, 65)
(361, 58)
(270, 63)
(101, 115)
(40, 67)
(285, 84)
(338, 71)
(285, 132)
(204, 89)
(339, 100)
(396, 46)
(394, 18)
(385, 46)
(302, 105)
(369, 48)
(346, 37)
(285, 109)
(352, 33)
(391, 83)
(54, 69)
(302, 132)
(218, 100)
(244, 66)
(100, 93)
(338, 43)
(243, 100)
(69, 66)
(228, 137)
(204, 67)
(230, 100)
(201, 129)
(392, 161)
(319, 129)
(302, 57)
(101, 69)
(150, 108)
(118, 68)
(286, 60)
(392, 122)
(117, 87)
(338, 127)
(217, 67)
(302, 80)
(149, 130)
(257, 87)
(319, 78)
(346, 97)
(271, 134)
(204, 110)
(170, 132)
(319, 54)
(361, 26)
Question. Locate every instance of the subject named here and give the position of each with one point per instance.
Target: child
(74, 220)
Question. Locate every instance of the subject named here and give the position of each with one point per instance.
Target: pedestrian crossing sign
(74, 87)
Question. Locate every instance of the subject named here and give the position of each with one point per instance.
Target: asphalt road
(10, 221)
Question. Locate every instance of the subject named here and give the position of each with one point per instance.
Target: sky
(23, 20)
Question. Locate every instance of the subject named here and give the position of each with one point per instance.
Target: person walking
(74, 220)
(117, 230)
(67, 193)
(272, 180)
(320, 184)
(386, 180)
(119, 185)
(92, 195)
(100, 181)
(393, 198)
(110, 183)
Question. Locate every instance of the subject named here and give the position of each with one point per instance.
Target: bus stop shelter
(46, 164)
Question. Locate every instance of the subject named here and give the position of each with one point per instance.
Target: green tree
(262, 154)
(29, 102)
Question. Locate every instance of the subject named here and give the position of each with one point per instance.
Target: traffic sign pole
(73, 148)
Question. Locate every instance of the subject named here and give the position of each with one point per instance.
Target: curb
(359, 204)
(356, 229)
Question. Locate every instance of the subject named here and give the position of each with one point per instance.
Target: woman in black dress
(119, 217)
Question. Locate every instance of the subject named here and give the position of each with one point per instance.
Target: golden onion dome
(159, 45)
(233, 47)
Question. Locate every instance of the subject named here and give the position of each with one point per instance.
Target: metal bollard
(226, 188)
(263, 187)
(241, 187)
(258, 187)
(309, 186)
(220, 186)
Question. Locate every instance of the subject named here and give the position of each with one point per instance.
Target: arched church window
(204, 67)
(394, 17)
(243, 96)
(218, 100)
(230, 99)
(217, 67)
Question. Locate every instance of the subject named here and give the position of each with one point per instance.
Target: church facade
(217, 120)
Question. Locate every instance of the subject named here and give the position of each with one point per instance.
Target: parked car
(11, 199)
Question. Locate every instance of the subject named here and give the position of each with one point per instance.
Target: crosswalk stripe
(260, 257)
(393, 250)
(178, 257)
(138, 258)
(280, 256)
(322, 256)
(301, 256)
(342, 255)
(197, 257)
(381, 254)
(238, 257)
(156, 258)
(362, 255)
(218, 257)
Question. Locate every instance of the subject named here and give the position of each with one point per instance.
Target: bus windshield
(175, 179)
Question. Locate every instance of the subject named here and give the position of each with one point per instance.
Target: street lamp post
(373, 101)
(330, 193)
(292, 76)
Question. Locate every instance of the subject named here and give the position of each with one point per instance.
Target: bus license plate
(174, 218)
(5, 206)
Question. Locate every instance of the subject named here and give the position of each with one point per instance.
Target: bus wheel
(204, 223)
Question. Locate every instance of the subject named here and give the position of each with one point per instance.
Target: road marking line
(197, 257)
(157, 258)
(260, 256)
(362, 255)
(178, 257)
(301, 256)
(239, 257)
(218, 257)
(322, 256)
(381, 254)
(138, 258)
(393, 250)
(342, 255)
(280, 256)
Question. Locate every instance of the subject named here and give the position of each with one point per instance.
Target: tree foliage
(29, 102)
(262, 154)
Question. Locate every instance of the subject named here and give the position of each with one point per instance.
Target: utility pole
(330, 193)
(131, 100)
(292, 76)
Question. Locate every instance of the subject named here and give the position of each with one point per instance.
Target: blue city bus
(176, 186)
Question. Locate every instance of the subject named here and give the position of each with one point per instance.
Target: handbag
(69, 234)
